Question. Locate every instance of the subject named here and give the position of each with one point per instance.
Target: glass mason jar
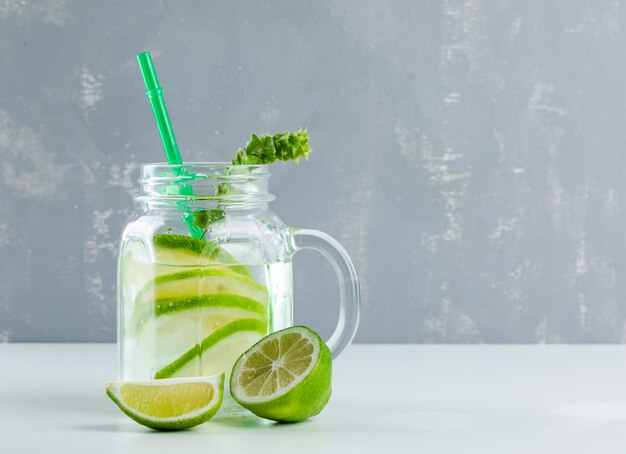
(205, 272)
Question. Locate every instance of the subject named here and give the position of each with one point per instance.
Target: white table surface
(386, 398)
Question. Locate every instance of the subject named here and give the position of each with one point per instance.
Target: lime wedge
(174, 404)
(286, 376)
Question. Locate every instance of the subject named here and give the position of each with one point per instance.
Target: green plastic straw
(154, 92)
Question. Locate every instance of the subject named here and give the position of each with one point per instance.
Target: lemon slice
(172, 404)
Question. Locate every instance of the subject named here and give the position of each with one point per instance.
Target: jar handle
(349, 294)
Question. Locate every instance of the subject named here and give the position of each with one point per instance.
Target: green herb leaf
(203, 218)
(265, 149)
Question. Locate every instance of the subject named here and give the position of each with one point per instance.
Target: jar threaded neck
(204, 184)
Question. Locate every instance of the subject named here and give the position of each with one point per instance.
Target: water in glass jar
(186, 313)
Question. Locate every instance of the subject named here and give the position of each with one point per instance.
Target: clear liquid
(179, 319)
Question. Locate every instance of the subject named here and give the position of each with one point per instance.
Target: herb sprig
(263, 149)
(266, 149)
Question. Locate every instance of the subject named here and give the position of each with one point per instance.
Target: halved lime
(173, 404)
(286, 376)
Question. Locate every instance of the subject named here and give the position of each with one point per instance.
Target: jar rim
(208, 164)
(204, 182)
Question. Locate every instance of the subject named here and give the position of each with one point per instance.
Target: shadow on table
(254, 422)
(248, 422)
(371, 417)
(129, 427)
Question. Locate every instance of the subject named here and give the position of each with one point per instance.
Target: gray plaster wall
(469, 154)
